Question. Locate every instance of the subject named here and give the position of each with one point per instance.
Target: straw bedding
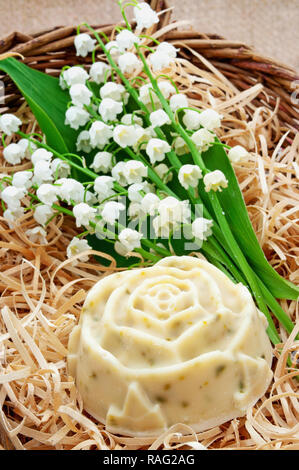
(43, 292)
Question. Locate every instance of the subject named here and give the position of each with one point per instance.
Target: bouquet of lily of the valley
(141, 171)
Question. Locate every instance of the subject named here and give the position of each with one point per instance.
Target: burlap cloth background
(272, 26)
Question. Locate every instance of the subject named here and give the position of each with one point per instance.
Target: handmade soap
(178, 342)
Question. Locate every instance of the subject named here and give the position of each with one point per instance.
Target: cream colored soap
(173, 343)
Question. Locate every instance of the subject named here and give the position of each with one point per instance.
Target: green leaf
(236, 213)
(47, 101)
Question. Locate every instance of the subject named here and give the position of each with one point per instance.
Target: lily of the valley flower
(12, 215)
(143, 136)
(215, 180)
(191, 119)
(77, 246)
(84, 44)
(41, 154)
(128, 240)
(102, 162)
(156, 150)
(83, 142)
(180, 146)
(27, 148)
(22, 179)
(90, 198)
(160, 60)
(103, 186)
(76, 117)
(9, 124)
(166, 88)
(147, 95)
(172, 213)
(203, 139)
(37, 235)
(178, 101)
(114, 50)
(168, 49)
(60, 169)
(201, 228)
(189, 175)
(13, 154)
(159, 118)
(210, 119)
(70, 190)
(134, 171)
(109, 109)
(150, 203)
(113, 90)
(84, 214)
(135, 191)
(47, 193)
(100, 134)
(118, 173)
(135, 211)
(111, 211)
(131, 119)
(80, 95)
(125, 136)
(12, 196)
(145, 16)
(174, 210)
(42, 172)
(237, 153)
(126, 40)
(73, 76)
(128, 63)
(42, 214)
(163, 172)
(163, 56)
(99, 72)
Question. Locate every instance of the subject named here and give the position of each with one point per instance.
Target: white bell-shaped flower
(102, 162)
(109, 109)
(145, 16)
(203, 139)
(100, 134)
(76, 247)
(84, 214)
(80, 95)
(73, 76)
(111, 211)
(189, 175)
(201, 228)
(156, 150)
(210, 119)
(126, 40)
(47, 193)
(99, 72)
(9, 124)
(76, 117)
(84, 44)
(13, 154)
(237, 153)
(215, 180)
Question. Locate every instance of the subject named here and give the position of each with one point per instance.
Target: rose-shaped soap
(176, 342)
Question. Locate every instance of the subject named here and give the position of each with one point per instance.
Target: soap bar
(178, 342)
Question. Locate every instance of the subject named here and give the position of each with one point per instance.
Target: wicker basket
(51, 50)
